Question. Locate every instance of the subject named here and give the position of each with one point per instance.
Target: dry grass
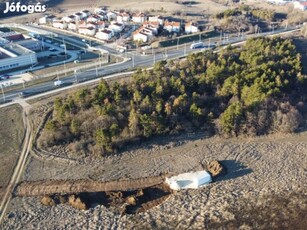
(11, 136)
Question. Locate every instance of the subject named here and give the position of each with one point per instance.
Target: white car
(58, 83)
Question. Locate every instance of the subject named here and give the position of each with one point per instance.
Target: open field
(263, 175)
(11, 137)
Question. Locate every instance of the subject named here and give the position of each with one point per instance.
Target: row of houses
(149, 29)
(300, 5)
(104, 24)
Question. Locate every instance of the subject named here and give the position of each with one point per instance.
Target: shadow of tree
(233, 169)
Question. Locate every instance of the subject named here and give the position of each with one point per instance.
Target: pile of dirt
(51, 187)
(48, 201)
(76, 202)
(215, 168)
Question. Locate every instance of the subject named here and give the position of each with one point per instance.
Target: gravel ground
(264, 188)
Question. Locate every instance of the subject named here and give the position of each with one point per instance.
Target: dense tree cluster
(233, 92)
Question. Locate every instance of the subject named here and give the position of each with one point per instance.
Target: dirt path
(21, 162)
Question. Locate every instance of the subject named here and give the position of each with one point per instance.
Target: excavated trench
(122, 202)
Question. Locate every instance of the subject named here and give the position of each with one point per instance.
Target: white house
(139, 18)
(100, 11)
(104, 34)
(78, 16)
(85, 13)
(72, 26)
(279, 2)
(90, 31)
(117, 27)
(140, 36)
(123, 17)
(190, 28)
(111, 16)
(158, 19)
(47, 19)
(93, 18)
(69, 18)
(172, 26)
(60, 25)
(300, 5)
(153, 30)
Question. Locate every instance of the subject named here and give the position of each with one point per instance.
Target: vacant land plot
(11, 136)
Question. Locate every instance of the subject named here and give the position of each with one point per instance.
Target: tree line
(253, 90)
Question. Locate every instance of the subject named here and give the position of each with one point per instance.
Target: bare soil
(263, 188)
(11, 137)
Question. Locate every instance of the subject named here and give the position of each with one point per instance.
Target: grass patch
(11, 137)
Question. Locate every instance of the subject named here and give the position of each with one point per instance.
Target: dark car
(25, 94)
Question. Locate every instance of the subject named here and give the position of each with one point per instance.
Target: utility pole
(65, 67)
(221, 33)
(76, 79)
(177, 43)
(209, 45)
(185, 48)
(3, 93)
(96, 71)
(132, 60)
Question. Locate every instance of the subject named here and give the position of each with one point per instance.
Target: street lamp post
(76, 79)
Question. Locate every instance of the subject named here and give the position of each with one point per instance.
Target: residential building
(72, 26)
(79, 16)
(123, 17)
(158, 19)
(300, 5)
(117, 27)
(85, 13)
(90, 31)
(69, 18)
(139, 18)
(60, 25)
(111, 16)
(104, 34)
(191, 28)
(172, 27)
(47, 19)
(140, 36)
(96, 25)
(94, 18)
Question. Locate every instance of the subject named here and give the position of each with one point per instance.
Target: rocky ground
(264, 188)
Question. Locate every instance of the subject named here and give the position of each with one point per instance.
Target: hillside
(254, 91)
